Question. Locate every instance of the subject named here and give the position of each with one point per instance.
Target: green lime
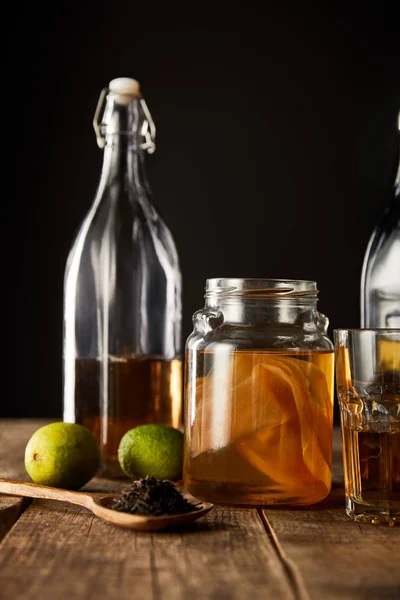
(64, 455)
(152, 450)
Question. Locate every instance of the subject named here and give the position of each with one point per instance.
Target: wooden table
(50, 550)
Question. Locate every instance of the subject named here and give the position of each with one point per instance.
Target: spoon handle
(32, 490)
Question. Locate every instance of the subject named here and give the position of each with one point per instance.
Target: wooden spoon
(99, 506)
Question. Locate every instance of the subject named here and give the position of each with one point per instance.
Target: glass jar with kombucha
(259, 395)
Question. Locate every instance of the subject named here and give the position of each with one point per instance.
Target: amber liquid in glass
(124, 392)
(259, 427)
(372, 465)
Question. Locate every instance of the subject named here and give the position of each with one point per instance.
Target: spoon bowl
(100, 506)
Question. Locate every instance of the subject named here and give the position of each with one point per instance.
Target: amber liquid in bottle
(259, 430)
(135, 391)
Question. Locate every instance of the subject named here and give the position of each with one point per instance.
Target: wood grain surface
(51, 551)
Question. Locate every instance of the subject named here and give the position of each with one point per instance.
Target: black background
(276, 146)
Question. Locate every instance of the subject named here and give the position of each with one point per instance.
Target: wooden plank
(332, 556)
(10, 510)
(336, 557)
(66, 552)
(13, 438)
(14, 435)
(53, 553)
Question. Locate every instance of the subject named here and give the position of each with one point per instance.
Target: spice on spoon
(154, 497)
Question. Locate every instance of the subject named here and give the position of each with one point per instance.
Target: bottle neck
(124, 157)
(124, 162)
(397, 180)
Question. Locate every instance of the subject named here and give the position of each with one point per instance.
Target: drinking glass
(368, 390)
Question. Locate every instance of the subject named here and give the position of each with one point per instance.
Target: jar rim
(257, 287)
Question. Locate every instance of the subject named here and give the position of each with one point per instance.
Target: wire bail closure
(148, 127)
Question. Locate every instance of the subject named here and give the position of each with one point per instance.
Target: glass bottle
(259, 395)
(380, 279)
(122, 291)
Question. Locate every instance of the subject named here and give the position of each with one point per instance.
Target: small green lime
(64, 455)
(152, 450)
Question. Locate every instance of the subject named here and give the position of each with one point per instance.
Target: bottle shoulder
(384, 235)
(124, 233)
(386, 265)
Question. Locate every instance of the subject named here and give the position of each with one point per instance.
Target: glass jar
(259, 395)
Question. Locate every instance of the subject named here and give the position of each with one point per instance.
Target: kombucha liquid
(258, 426)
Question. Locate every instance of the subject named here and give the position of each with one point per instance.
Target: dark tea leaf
(153, 497)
